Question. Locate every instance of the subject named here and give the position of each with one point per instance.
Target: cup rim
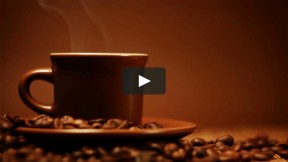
(95, 54)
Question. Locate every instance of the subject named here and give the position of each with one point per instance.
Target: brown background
(226, 61)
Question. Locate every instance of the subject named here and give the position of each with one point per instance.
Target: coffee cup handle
(24, 89)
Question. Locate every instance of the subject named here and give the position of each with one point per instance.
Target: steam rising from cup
(87, 31)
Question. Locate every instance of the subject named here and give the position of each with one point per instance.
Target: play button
(142, 81)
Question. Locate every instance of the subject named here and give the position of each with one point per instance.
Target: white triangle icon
(142, 81)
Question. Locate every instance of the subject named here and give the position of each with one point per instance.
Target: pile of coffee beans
(68, 122)
(15, 147)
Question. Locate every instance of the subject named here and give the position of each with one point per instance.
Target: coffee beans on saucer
(68, 122)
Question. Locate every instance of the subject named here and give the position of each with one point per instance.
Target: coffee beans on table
(14, 147)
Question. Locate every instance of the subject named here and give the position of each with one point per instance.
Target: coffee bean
(88, 151)
(247, 145)
(134, 128)
(205, 159)
(268, 151)
(245, 155)
(34, 158)
(210, 146)
(84, 126)
(14, 119)
(220, 146)
(108, 126)
(69, 159)
(226, 139)
(5, 125)
(28, 123)
(146, 156)
(152, 125)
(99, 120)
(44, 122)
(117, 122)
(131, 124)
(67, 120)
(223, 147)
(198, 142)
(169, 148)
(108, 158)
(283, 145)
(160, 158)
(237, 146)
(9, 140)
(57, 123)
(96, 125)
(219, 143)
(260, 156)
(283, 154)
(10, 153)
(179, 154)
(188, 149)
(4, 117)
(154, 146)
(117, 150)
(21, 122)
(199, 152)
(78, 122)
(54, 157)
(112, 123)
(33, 120)
(21, 140)
(276, 148)
(184, 142)
(134, 153)
(255, 150)
(229, 156)
(101, 151)
(212, 155)
(124, 153)
(262, 143)
(123, 125)
(77, 154)
(266, 148)
(39, 150)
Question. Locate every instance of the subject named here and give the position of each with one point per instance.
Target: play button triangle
(142, 81)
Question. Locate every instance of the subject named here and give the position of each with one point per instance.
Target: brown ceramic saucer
(173, 129)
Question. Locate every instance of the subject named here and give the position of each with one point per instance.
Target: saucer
(173, 129)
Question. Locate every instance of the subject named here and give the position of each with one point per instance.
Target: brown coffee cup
(87, 85)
